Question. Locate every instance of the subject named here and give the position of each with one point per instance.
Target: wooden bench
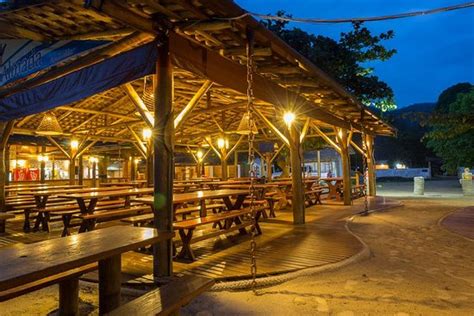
(232, 221)
(88, 221)
(3, 219)
(167, 299)
(43, 215)
(45, 282)
(313, 196)
(358, 190)
(142, 220)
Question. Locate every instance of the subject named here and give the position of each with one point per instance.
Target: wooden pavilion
(200, 50)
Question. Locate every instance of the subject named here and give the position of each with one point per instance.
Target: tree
(451, 133)
(344, 59)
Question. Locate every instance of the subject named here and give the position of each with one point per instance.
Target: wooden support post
(236, 164)
(5, 131)
(133, 169)
(342, 137)
(319, 163)
(296, 176)
(7, 165)
(268, 164)
(72, 171)
(94, 174)
(163, 144)
(69, 297)
(110, 281)
(43, 165)
(81, 170)
(372, 187)
(224, 164)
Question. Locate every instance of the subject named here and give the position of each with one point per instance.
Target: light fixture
(289, 117)
(146, 133)
(43, 158)
(93, 159)
(49, 125)
(74, 144)
(221, 142)
(137, 161)
(244, 126)
(199, 154)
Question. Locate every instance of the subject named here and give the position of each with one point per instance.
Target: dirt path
(416, 268)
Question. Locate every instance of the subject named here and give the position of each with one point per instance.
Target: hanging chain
(251, 155)
(365, 169)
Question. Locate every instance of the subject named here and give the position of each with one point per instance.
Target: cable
(357, 19)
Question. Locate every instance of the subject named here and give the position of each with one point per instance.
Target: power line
(357, 19)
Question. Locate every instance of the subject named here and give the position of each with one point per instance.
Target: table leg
(69, 297)
(202, 210)
(186, 251)
(110, 279)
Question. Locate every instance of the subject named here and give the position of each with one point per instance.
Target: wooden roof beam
(139, 104)
(184, 114)
(19, 32)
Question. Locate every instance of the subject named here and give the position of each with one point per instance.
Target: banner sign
(20, 58)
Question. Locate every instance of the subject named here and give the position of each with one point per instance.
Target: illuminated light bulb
(147, 133)
(289, 117)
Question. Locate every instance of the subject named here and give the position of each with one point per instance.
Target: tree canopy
(451, 134)
(344, 59)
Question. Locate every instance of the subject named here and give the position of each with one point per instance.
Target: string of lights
(356, 19)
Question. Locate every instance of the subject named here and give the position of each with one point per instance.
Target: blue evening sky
(434, 52)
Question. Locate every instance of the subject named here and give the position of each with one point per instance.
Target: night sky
(434, 52)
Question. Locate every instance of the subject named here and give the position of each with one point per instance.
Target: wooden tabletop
(333, 179)
(107, 193)
(43, 187)
(179, 198)
(247, 186)
(49, 192)
(24, 263)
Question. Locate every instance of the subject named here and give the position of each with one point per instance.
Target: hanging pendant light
(244, 128)
(49, 125)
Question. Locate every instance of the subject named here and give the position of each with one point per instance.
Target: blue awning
(81, 84)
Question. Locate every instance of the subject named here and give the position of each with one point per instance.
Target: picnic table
(27, 267)
(87, 209)
(217, 184)
(335, 186)
(201, 196)
(41, 199)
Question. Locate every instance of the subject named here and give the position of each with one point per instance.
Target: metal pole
(163, 158)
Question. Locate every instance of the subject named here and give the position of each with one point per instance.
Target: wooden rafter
(184, 114)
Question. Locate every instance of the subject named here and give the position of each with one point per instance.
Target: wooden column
(5, 131)
(268, 164)
(346, 165)
(43, 165)
(72, 171)
(369, 145)
(149, 168)
(224, 164)
(94, 174)
(199, 169)
(236, 164)
(81, 170)
(163, 145)
(133, 169)
(296, 177)
(319, 163)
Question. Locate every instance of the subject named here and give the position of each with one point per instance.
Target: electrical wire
(356, 19)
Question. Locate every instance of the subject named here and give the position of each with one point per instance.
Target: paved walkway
(460, 222)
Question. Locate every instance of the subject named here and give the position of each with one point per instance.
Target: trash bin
(467, 187)
(419, 185)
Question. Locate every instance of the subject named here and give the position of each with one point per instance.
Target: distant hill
(407, 147)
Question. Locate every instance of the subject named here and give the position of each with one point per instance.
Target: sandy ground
(416, 268)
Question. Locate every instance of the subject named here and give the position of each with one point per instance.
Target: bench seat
(232, 220)
(167, 299)
(45, 282)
